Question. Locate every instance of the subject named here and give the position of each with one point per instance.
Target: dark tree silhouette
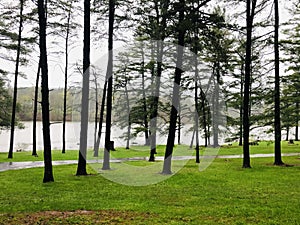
(35, 110)
(109, 80)
(161, 23)
(66, 78)
(278, 160)
(97, 144)
(176, 89)
(48, 174)
(81, 167)
(251, 4)
(14, 105)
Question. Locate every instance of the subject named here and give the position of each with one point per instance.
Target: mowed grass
(134, 151)
(222, 194)
(143, 151)
(263, 147)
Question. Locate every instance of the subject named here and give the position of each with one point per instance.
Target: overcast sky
(56, 63)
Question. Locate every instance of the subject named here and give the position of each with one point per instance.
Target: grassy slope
(222, 194)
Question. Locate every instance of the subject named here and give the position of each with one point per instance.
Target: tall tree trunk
(277, 125)
(246, 102)
(179, 123)
(109, 79)
(96, 115)
(14, 106)
(208, 133)
(66, 80)
(204, 117)
(96, 148)
(81, 167)
(48, 173)
(147, 140)
(196, 98)
(155, 101)
(193, 136)
(129, 119)
(160, 47)
(35, 110)
(196, 103)
(297, 122)
(176, 90)
(216, 112)
(241, 107)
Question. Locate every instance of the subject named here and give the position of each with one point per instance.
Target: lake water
(23, 137)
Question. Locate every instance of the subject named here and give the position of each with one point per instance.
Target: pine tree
(277, 121)
(48, 173)
(180, 8)
(81, 167)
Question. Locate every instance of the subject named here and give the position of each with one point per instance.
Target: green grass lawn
(135, 151)
(262, 148)
(143, 151)
(222, 194)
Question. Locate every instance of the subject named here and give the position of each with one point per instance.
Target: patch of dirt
(74, 217)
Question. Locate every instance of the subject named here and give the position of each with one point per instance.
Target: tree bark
(109, 79)
(248, 60)
(196, 104)
(179, 123)
(35, 109)
(155, 101)
(176, 90)
(15, 95)
(48, 173)
(160, 47)
(205, 118)
(192, 140)
(241, 107)
(81, 167)
(129, 119)
(297, 122)
(147, 140)
(66, 81)
(277, 124)
(96, 115)
(96, 148)
(216, 116)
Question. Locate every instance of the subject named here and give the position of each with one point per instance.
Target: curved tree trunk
(176, 92)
